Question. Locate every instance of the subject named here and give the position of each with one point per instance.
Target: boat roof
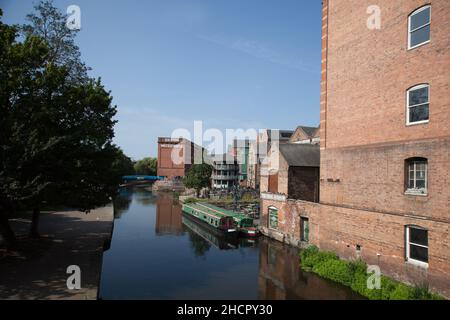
(223, 211)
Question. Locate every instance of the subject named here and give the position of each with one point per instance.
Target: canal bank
(159, 253)
(39, 269)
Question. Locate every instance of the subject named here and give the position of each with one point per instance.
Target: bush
(335, 270)
(354, 274)
(311, 257)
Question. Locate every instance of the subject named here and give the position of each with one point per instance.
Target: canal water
(157, 253)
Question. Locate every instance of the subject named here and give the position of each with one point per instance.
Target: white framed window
(417, 245)
(419, 23)
(417, 176)
(273, 218)
(418, 104)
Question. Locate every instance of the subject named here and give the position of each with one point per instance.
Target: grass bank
(354, 274)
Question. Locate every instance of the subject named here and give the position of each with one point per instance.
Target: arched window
(419, 27)
(273, 218)
(416, 175)
(418, 104)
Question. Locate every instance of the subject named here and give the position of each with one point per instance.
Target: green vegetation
(146, 166)
(354, 274)
(56, 124)
(198, 177)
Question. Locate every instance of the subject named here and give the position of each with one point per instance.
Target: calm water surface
(157, 253)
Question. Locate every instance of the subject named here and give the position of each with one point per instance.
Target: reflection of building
(280, 277)
(225, 171)
(176, 156)
(168, 216)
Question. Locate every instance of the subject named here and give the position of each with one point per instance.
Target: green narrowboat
(244, 223)
(215, 220)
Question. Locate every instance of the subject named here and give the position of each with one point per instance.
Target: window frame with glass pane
(415, 167)
(421, 102)
(414, 243)
(304, 225)
(270, 220)
(415, 29)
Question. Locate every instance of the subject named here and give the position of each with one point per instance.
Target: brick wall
(380, 237)
(373, 178)
(365, 139)
(303, 183)
(367, 73)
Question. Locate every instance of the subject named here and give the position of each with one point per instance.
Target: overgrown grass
(354, 274)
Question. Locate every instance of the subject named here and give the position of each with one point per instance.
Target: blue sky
(230, 63)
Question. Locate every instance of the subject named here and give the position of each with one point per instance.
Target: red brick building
(176, 156)
(385, 141)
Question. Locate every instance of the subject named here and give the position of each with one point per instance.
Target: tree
(56, 135)
(48, 23)
(146, 166)
(122, 164)
(198, 177)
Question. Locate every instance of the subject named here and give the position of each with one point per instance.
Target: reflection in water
(281, 278)
(189, 262)
(168, 216)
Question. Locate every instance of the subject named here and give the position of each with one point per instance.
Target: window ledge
(418, 45)
(417, 263)
(409, 124)
(416, 193)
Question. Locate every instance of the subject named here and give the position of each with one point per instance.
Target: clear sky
(230, 63)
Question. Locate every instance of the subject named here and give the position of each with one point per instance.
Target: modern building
(225, 173)
(176, 156)
(241, 149)
(384, 140)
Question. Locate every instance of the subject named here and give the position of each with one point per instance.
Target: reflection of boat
(220, 242)
(243, 222)
(216, 221)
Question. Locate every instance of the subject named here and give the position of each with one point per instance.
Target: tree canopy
(146, 166)
(198, 177)
(55, 132)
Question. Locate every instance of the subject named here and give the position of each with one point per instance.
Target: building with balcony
(225, 173)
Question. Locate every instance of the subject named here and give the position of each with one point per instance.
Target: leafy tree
(48, 23)
(198, 177)
(56, 135)
(146, 166)
(122, 164)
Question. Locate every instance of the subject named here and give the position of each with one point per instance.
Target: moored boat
(215, 220)
(244, 223)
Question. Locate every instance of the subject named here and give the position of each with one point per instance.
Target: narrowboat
(214, 220)
(243, 223)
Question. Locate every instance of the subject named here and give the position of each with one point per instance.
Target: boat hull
(217, 231)
(249, 232)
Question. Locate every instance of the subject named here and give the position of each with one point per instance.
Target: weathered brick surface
(380, 237)
(303, 183)
(373, 178)
(365, 139)
(369, 71)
